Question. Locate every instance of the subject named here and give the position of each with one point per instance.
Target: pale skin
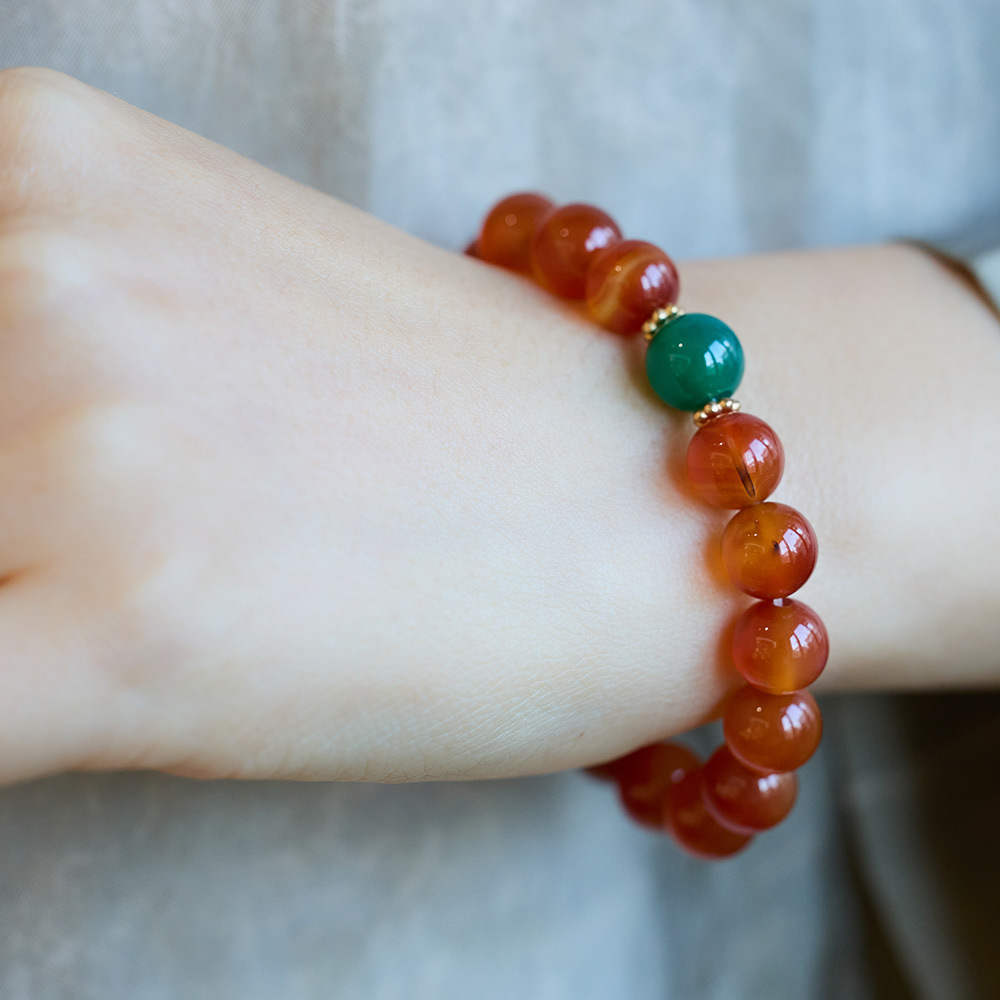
(287, 493)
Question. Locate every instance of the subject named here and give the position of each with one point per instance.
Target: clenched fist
(287, 493)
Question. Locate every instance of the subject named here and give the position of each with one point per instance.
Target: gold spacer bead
(658, 318)
(716, 408)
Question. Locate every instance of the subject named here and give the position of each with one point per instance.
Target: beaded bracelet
(695, 362)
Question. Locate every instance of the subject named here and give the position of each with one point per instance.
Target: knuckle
(19, 85)
(34, 96)
(43, 274)
(47, 122)
(26, 89)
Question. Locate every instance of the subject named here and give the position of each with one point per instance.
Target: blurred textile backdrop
(712, 127)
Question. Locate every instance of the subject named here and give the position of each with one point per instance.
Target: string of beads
(735, 461)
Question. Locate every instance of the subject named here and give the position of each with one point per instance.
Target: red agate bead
(646, 776)
(626, 282)
(564, 244)
(693, 826)
(508, 229)
(769, 550)
(735, 460)
(744, 800)
(772, 732)
(780, 646)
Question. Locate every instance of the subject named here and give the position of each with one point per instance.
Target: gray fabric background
(712, 127)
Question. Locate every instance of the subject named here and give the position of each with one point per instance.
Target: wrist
(873, 361)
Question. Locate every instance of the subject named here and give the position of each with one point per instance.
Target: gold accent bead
(716, 408)
(658, 318)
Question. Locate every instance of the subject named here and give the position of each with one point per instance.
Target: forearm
(877, 365)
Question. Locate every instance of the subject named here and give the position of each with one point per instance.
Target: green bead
(692, 360)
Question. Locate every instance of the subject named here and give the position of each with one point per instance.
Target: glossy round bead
(780, 646)
(744, 800)
(626, 282)
(645, 777)
(769, 550)
(508, 229)
(692, 360)
(693, 827)
(735, 460)
(772, 732)
(564, 244)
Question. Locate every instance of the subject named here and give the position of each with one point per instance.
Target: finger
(44, 492)
(53, 705)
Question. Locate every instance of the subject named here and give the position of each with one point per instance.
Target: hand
(287, 493)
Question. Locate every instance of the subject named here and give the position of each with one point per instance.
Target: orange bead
(769, 550)
(508, 229)
(744, 800)
(626, 282)
(564, 244)
(735, 460)
(645, 777)
(772, 732)
(693, 827)
(780, 646)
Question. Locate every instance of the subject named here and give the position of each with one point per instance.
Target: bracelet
(694, 362)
